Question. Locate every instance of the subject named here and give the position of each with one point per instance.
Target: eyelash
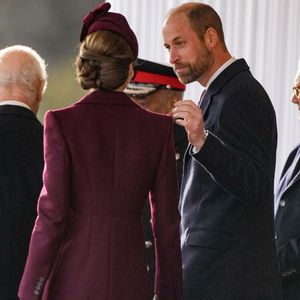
(179, 44)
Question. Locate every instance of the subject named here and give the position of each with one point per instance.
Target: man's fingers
(181, 122)
(184, 102)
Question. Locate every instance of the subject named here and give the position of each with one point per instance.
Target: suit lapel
(204, 104)
(226, 75)
(294, 179)
(291, 175)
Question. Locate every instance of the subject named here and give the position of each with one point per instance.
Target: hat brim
(139, 89)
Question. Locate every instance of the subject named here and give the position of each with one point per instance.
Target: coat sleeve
(165, 223)
(240, 149)
(53, 207)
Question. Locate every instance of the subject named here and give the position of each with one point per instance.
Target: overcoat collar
(231, 71)
(291, 175)
(17, 110)
(106, 97)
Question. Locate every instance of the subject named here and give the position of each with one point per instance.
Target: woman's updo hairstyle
(108, 46)
(103, 61)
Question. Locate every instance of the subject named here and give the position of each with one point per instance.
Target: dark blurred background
(52, 28)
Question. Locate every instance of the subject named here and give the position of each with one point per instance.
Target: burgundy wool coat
(102, 157)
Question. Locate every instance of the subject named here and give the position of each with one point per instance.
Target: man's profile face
(189, 56)
(296, 95)
(296, 92)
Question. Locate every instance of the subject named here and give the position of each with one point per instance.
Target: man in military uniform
(155, 87)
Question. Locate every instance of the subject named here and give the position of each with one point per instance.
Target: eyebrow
(174, 40)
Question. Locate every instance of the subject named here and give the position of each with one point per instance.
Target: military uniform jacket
(102, 157)
(226, 201)
(287, 225)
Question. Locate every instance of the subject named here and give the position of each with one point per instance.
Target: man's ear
(39, 95)
(211, 38)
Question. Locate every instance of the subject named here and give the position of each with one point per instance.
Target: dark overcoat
(21, 166)
(287, 226)
(226, 204)
(102, 157)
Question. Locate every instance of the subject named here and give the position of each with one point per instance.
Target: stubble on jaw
(196, 70)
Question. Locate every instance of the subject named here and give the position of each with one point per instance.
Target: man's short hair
(34, 67)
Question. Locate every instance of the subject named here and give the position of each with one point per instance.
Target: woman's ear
(131, 71)
(129, 77)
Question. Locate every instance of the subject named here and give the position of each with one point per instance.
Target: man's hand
(186, 113)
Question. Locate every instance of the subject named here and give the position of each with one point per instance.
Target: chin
(185, 79)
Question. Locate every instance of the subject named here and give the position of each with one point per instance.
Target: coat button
(148, 244)
(177, 156)
(282, 203)
(276, 236)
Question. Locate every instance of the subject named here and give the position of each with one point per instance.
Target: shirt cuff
(195, 149)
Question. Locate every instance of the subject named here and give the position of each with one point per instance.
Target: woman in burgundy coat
(102, 157)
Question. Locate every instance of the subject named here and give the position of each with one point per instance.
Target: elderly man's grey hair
(32, 70)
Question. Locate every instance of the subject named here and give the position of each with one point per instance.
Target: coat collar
(106, 97)
(226, 75)
(290, 176)
(17, 110)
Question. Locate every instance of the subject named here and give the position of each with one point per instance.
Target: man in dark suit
(226, 200)
(287, 220)
(22, 83)
(156, 88)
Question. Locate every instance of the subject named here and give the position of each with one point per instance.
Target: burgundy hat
(101, 19)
